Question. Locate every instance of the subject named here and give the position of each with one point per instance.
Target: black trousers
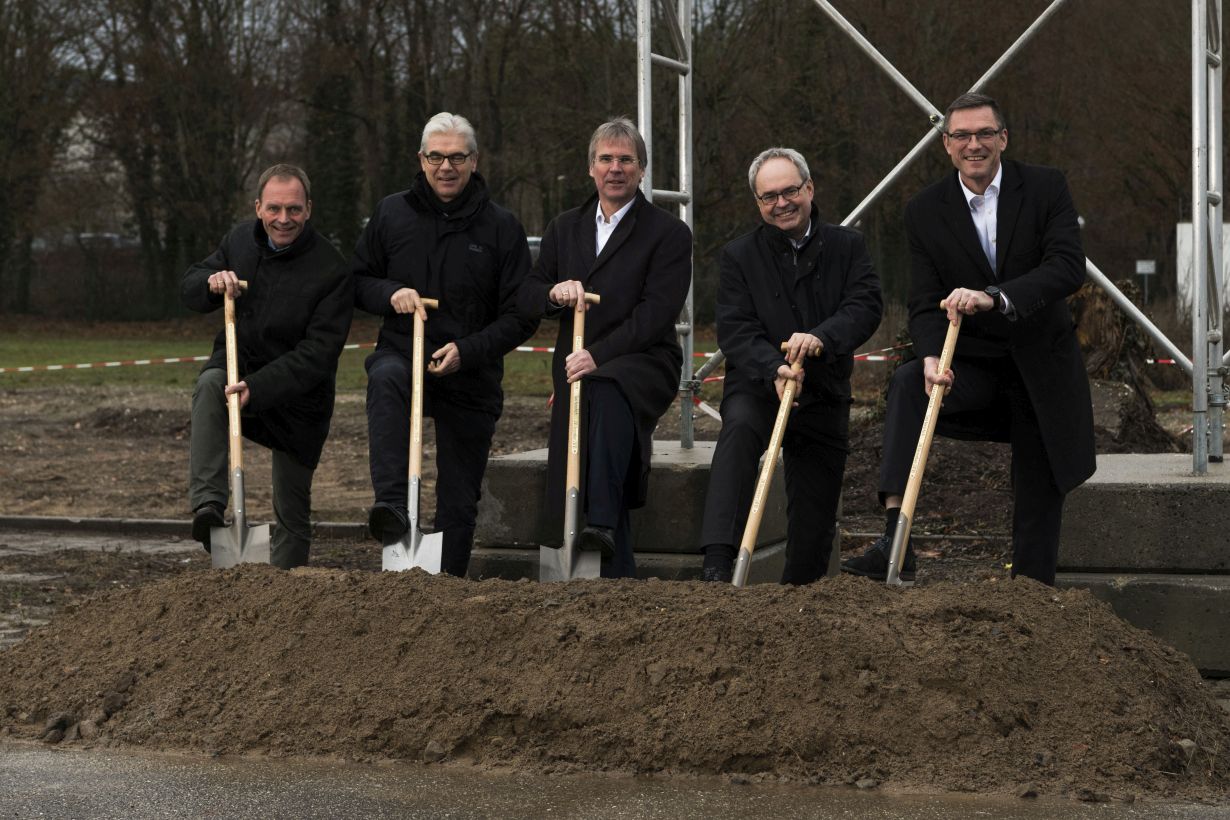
(815, 455)
(463, 443)
(992, 390)
(611, 451)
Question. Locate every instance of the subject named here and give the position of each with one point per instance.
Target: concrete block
(1189, 612)
(514, 563)
(1148, 513)
(513, 509)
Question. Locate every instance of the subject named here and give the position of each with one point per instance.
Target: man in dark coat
(798, 280)
(638, 258)
(291, 326)
(999, 242)
(443, 238)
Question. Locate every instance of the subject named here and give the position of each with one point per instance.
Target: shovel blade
(424, 552)
(567, 563)
(238, 544)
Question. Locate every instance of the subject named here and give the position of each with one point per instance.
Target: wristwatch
(997, 296)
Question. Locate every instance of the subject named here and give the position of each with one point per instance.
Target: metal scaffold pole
(1208, 369)
(678, 20)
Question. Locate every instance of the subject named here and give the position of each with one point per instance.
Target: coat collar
(586, 233)
(955, 212)
(305, 240)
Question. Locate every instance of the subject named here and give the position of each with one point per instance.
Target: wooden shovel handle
(573, 476)
(416, 389)
(930, 420)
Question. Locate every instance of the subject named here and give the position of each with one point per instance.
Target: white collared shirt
(984, 208)
(606, 228)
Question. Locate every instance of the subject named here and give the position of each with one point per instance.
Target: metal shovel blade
(566, 562)
(413, 549)
(238, 544)
(411, 552)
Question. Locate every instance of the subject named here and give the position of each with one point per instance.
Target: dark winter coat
(472, 255)
(768, 291)
(290, 328)
(642, 276)
(1039, 262)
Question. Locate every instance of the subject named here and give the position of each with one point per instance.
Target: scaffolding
(1208, 365)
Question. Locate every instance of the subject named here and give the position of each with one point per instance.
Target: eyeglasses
(607, 159)
(453, 159)
(985, 135)
(771, 197)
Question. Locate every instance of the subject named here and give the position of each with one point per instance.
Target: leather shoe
(874, 562)
(597, 539)
(386, 522)
(717, 574)
(207, 516)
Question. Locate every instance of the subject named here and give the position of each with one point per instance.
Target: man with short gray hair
(800, 281)
(443, 238)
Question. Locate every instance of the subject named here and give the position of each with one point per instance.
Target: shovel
(414, 548)
(566, 562)
(750, 530)
(902, 535)
(238, 543)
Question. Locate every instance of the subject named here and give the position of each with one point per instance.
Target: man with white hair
(798, 280)
(443, 238)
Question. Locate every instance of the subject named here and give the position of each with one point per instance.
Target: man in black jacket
(291, 325)
(999, 241)
(798, 280)
(445, 239)
(638, 258)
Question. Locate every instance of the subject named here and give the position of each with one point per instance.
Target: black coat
(473, 258)
(1039, 262)
(642, 276)
(833, 293)
(290, 327)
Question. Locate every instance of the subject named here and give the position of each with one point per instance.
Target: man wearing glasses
(999, 241)
(798, 280)
(638, 258)
(444, 239)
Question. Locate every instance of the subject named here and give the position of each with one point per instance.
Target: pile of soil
(998, 686)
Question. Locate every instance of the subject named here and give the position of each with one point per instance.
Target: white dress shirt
(607, 227)
(984, 209)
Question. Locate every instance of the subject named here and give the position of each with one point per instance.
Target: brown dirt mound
(986, 687)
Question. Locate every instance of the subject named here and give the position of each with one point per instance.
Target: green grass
(526, 374)
(27, 342)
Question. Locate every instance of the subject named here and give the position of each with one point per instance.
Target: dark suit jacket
(1039, 262)
(642, 276)
(835, 296)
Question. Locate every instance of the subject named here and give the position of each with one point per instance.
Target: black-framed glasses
(985, 135)
(771, 197)
(453, 159)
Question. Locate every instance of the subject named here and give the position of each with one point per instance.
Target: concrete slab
(513, 508)
(513, 563)
(1189, 612)
(1148, 513)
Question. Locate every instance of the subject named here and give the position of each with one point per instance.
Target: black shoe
(874, 562)
(207, 516)
(717, 574)
(387, 522)
(597, 539)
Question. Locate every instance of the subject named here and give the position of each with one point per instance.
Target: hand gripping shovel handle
(748, 545)
(905, 517)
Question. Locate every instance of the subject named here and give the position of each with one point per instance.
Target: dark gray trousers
(209, 474)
